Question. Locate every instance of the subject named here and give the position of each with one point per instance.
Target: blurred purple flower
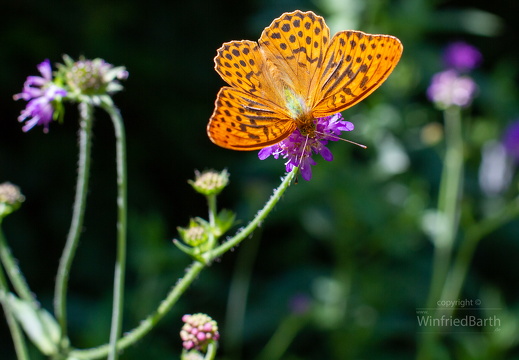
(450, 88)
(462, 56)
(511, 140)
(40, 92)
(298, 148)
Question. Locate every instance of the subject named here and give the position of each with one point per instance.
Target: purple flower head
(449, 88)
(298, 148)
(462, 56)
(511, 140)
(40, 92)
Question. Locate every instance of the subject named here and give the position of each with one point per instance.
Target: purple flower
(511, 140)
(462, 56)
(450, 88)
(40, 92)
(298, 148)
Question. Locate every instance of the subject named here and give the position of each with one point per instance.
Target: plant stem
(16, 333)
(447, 217)
(211, 352)
(85, 142)
(120, 264)
(182, 285)
(262, 214)
(14, 273)
(211, 203)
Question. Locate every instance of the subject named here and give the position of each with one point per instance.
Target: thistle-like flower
(75, 81)
(298, 149)
(43, 97)
(198, 331)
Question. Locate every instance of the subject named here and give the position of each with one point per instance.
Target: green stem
(60, 291)
(211, 203)
(14, 273)
(182, 285)
(262, 214)
(211, 351)
(447, 216)
(16, 333)
(120, 264)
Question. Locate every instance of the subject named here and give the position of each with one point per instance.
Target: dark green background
(340, 229)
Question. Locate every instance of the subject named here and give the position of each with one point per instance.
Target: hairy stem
(183, 284)
(120, 264)
(60, 291)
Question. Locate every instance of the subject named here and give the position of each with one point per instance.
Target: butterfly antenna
(339, 138)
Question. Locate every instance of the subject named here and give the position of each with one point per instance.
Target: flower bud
(210, 182)
(195, 234)
(198, 331)
(10, 198)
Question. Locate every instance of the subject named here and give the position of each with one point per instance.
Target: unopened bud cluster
(210, 182)
(195, 234)
(10, 198)
(198, 331)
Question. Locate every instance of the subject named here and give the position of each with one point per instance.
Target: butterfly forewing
(294, 44)
(239, 63)
(355, 65)
(244, 122)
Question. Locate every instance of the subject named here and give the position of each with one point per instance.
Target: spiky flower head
(210, 182)
(10, 198)
(198, 331)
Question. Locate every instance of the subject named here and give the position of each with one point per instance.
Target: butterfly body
(293, 75)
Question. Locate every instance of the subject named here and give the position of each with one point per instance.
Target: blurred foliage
(350, 241)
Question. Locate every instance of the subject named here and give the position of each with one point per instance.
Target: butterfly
(293, 75)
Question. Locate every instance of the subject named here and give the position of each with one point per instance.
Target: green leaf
(224, 221)
(38, 324)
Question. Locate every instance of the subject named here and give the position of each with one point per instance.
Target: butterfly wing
(247, 115)
(294, 47)
(244, 122)
(354, 66)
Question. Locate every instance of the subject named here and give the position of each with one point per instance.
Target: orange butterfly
(293, 75)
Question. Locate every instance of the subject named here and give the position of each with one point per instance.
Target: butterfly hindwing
(244, 122)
